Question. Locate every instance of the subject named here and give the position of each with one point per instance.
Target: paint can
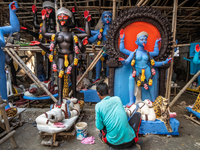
(81, 130)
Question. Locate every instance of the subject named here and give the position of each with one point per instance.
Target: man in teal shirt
(112, 121)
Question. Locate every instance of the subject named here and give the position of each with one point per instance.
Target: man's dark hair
(102, 89)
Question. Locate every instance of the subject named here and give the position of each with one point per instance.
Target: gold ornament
(51, 58)
(43, 52)
(61, 73)
(75, 61)
(66, 61)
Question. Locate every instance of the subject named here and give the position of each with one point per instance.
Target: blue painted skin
(107, 20)
(15, 27)
(141, 63)
(194, 65)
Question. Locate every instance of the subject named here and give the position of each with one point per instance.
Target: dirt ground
(27, 136)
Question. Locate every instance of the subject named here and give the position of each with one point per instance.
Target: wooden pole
(6, 122)
(91, 66)
(184, 88)
(29, 72)
(181, 45)
(169, 75)
(56, 9)
(187, 117)
(61, 4)
(140, 2)
(114, 8)
(96, 59)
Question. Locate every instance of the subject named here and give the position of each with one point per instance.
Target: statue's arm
(35, 21)
(186, 59)
(128, 60)
(87, 31)
(44, 29)
(14, 22)
(196, 58)
(93, 38)
(156, 48)
(122, 47)
(161, 63)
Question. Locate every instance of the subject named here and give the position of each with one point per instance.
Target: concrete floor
(27, 136)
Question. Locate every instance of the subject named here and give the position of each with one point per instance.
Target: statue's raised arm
(14, 27)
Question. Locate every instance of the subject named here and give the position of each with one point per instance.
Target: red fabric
(137, 138)
(104, 136)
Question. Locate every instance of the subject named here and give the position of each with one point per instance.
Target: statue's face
(107, 18)
(63, 19)
(141, 40)
(50, 12)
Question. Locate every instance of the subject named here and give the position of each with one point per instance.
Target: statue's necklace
(141, 81)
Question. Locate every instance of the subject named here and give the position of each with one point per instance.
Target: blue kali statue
(194, 60)
(15, 27)
(99, 35)
(142, 65)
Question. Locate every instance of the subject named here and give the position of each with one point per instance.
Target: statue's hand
(13, 6)
(197, 48)
(23, 28)
(87, 15)
(74, 9)
(122, 35)
(44, 13)
(158, 40)
(168, 60)
(34, 9)
(121, 59)
(35, 43)
(99, 36)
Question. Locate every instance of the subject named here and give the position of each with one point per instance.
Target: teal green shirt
(111, 114)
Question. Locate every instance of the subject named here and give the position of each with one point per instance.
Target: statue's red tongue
(107, 21)
(143, 44)
(62, 23)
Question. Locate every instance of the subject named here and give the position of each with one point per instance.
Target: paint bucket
(81, 130)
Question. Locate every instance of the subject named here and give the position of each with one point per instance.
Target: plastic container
(81, 130)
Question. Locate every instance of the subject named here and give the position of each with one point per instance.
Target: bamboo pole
(9, 135)
(94, 51)
(181, 45)
(145, 2)
(140, 2)
(96, 59)
(184, 88)
(61, 4)
(169, 75)
(114, 8)
(29, 72)
(7, 125)
(190, 118)
(56, 9)
(91, 66)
